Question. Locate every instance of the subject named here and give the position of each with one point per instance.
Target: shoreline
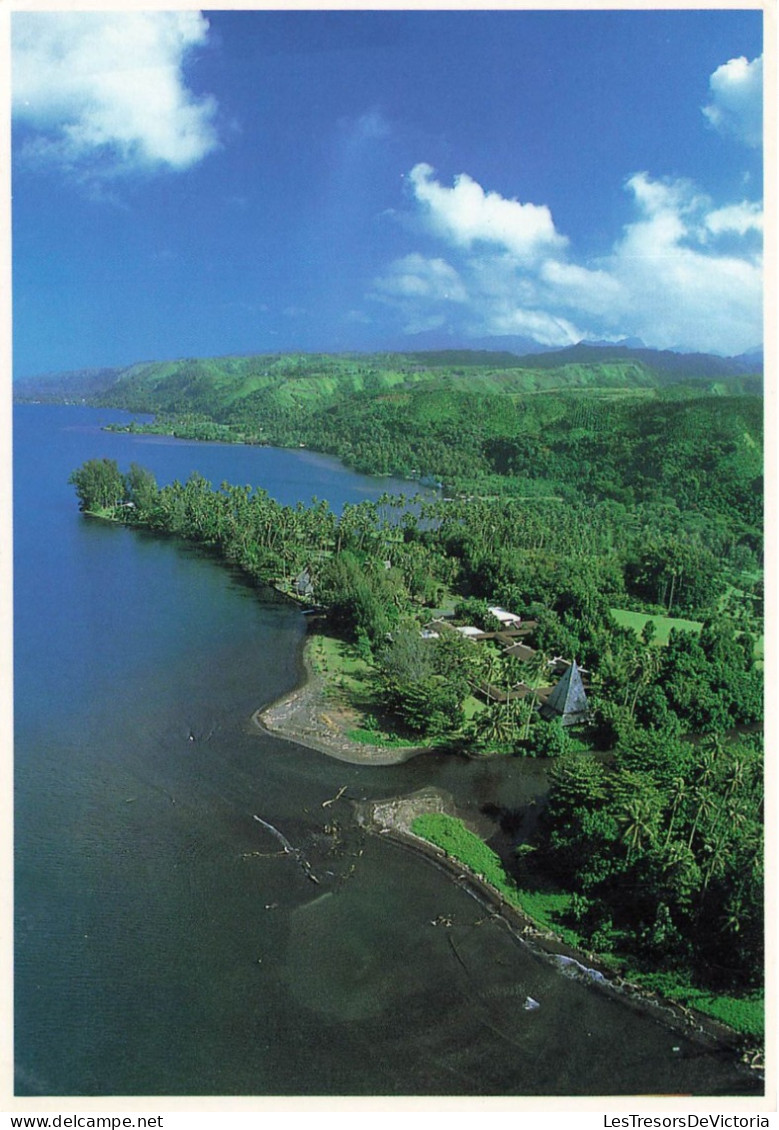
(302, 717)
(391, 818)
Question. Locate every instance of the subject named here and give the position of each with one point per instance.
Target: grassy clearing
(350, 686)
(383, 738)
(451, 835)
(745, 1015)
(334, 657)
(348, 677)
(663, 624)
(546, 906)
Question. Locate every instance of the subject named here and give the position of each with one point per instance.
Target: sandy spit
(305, 717)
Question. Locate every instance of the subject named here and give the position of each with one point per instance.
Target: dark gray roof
(520, 651)
(303, 584)
(568, 700)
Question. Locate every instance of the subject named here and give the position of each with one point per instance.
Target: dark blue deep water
(163, 945)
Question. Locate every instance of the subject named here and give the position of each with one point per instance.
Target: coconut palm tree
(680, 793)
(537, 670)
(639, 820)
(705, 806)
(497, 724)
(645, 672)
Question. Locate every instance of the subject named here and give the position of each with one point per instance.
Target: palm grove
(579, 508)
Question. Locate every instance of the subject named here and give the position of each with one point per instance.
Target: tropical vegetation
(618, 509)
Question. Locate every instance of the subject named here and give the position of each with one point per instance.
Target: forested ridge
(578, 507)
(612, 428)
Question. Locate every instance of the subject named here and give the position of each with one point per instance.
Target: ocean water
(164, 944)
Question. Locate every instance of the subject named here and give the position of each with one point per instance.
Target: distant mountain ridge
(682, 365)
(201, 384)
(75, 384)
(589, 421)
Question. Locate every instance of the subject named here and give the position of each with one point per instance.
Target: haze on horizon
(199, 184)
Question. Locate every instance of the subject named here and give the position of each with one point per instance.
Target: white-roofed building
(508, 619)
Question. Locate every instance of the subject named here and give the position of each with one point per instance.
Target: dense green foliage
(575, 489)
(600, 423)
(664, 850)
(99, 485)
(664, 482)
(553, 909)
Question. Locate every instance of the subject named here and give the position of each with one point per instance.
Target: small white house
(508, 619)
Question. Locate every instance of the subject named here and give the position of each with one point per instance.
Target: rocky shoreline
(393, 818)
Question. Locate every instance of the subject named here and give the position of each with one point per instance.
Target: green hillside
(609, 428)
(299, 379)
(313, 381)
(294, 380)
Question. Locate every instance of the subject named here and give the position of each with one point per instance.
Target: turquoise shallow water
(163, 944)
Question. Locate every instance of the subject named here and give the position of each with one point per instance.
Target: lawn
(663, 624)
(351, 688)
(349, 678)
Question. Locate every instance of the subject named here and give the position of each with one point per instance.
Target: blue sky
(202, 183)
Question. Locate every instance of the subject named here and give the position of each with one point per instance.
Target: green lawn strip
(546, 907)
(347, 675)
(393, 741)
(743, 1014)
(663, 624)
(450, 834)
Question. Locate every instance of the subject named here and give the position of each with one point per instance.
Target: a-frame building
(567, 700)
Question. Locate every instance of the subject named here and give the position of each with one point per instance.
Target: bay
(163, 943)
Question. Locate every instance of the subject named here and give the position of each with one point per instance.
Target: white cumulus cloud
(591, 292)
(683, 274)
(107, 89)
(543, 326)
(466, 214)
(736, 107)
(739, 218)
(679, 290)
(414, 276)
(422, 290)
